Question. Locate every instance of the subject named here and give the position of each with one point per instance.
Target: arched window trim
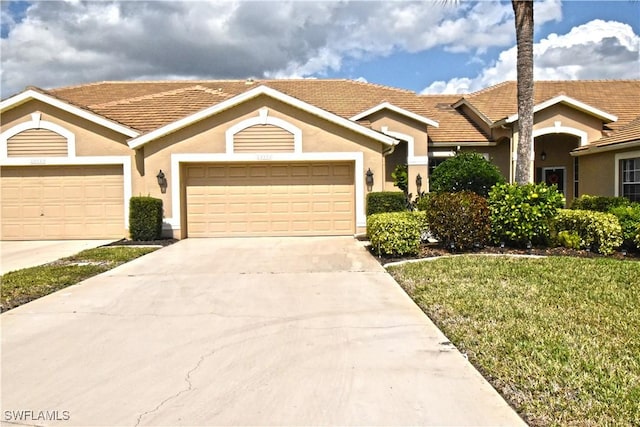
(264, 118)
(37, 123)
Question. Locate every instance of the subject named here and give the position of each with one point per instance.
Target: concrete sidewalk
(15, 255)
(240, 332)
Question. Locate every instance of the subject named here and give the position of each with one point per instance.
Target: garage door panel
(270, 199)
(62, 202)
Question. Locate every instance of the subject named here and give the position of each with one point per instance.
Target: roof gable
(573, 103)
(33, 94)
(401, 111)
(251, 94)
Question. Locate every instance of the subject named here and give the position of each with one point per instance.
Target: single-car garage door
(270, 199)
(62, 202)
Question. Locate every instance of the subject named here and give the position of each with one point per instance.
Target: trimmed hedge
(598, 231)
(598, 203)
(386, 201)
(465, 172)
(396, 233)
(145, 218)
(459, 220)
(629, 219)
(521, 213)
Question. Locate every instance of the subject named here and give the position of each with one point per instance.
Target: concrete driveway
(23, 254)
(270, 331)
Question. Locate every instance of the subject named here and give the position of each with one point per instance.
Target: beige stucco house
(284, 157)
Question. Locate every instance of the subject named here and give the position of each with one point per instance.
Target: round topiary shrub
(459, 220)
(521, 214)
(465, 172)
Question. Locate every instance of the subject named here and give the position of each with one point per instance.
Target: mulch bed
(432, 251)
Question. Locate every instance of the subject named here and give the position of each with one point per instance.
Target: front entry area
(270, 199)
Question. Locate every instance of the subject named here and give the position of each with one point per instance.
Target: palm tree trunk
(523, 10)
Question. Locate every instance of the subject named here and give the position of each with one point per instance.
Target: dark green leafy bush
(598, 203)
(598, 231)
(465, 172)
(386, 201)
(459, 220)
(629, 219)
(145, 218)
(638, 237)
(396, 233)
(521, 213)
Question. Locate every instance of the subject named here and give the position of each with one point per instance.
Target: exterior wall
(498, 155)
(416, 152)
(91, 139)
(558, 119)
(569, 117)
(398, 157)
(597, 174)
(208, 137)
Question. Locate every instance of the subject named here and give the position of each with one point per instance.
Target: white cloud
(595, 50)
(58, 43)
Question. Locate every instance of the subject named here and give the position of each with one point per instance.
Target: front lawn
(21, 286)
(558, 337)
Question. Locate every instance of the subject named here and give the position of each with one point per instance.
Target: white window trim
(125, 161)
(177, 160)
(264, 118)
(617, 158)
(558, 128)
(37, 123)
(412, 159)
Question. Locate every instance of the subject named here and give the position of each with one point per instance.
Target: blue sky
(424, 46)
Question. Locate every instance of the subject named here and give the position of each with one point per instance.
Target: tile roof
(147, 105)
(628, 133)
(618, 97)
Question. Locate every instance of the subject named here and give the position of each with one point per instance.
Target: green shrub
(598, 203)
(400, 176)
(629, 219)
(569, 239)
(459, 219)
(521, 213)
(638, 237)
(422, 202)
(386, 201)
(396, 233)
(598, 231)
(465, 172)
(145, 218)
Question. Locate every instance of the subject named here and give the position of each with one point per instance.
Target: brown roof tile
(617, 97)
(147, 105)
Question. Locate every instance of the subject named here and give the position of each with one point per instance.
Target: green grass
(21, 286)
(558, 337)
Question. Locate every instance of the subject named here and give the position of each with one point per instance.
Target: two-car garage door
(270, 199)
(62, 202)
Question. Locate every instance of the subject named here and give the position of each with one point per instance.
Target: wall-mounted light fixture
(162, 181)
(419, 182)
(369, 179)
(543, 156)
